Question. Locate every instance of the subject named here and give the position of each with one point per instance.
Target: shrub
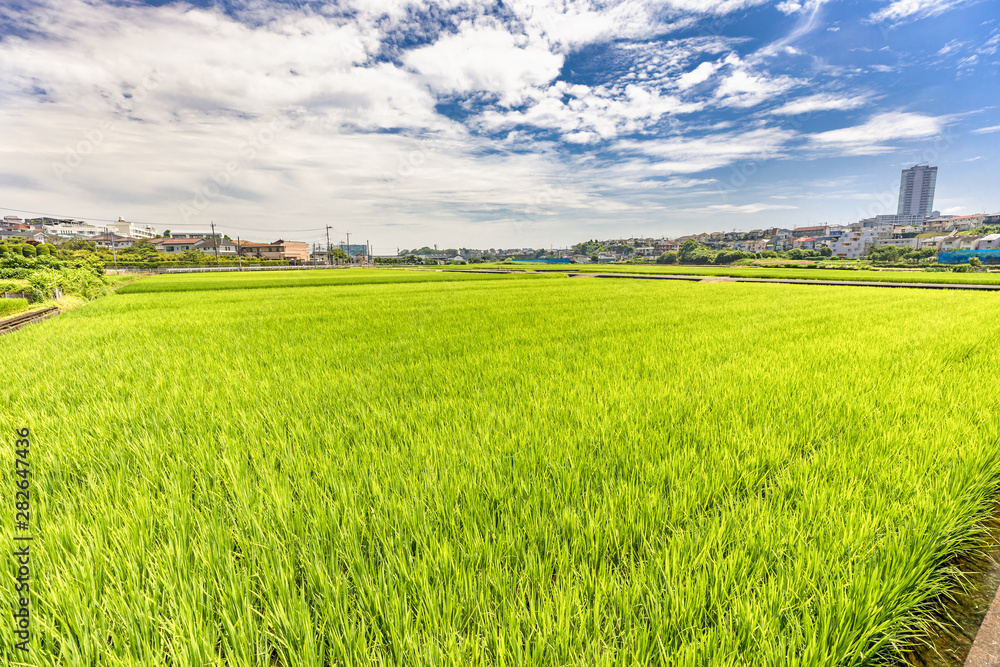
(28, 250)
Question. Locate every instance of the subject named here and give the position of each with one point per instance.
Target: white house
(861, 237)
(989, 242)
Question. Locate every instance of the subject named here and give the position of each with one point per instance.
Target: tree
(669, 257)
(975, 262)
(166, 234)
(729, 256)
(826, 251)
(192, 256)
(692, 252)
(28, 250)
(78, 244)
(885, 253)
(591, 247)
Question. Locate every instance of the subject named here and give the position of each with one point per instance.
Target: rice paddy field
(198, 282)
(879, 275)
(483, 471)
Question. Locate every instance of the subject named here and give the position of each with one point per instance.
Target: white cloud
(699, 74)
(684, 155)
(789, 7)
(740, 208)
(744, 89)
(488, 59)
(951, 47)
(870, 137)
(988, 130)
(820, 102)
(583, 114)
(899, 11)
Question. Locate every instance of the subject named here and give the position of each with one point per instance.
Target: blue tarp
(545, 260)
(963, 256)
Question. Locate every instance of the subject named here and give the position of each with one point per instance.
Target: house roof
(178, 241)
(804, 229)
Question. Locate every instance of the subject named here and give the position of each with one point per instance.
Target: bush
(9, 307)
(669, 257)
(961, 268)
(28, 250)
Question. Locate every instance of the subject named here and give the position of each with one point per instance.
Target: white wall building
(989, 242)
(134, 230)
(862, 236)
(72, 228)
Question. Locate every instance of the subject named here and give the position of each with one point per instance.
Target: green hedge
(10, 307)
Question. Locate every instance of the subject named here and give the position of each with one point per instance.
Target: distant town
(915, 232)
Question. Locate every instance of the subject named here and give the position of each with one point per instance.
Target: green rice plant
(501, 472)
(805, 273)
(197, 282)
(10, 307)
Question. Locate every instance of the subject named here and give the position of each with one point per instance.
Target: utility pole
(349, 256)
(329, 250)
(216, 239)
(114, 254)
(368, 252)
(239, 252)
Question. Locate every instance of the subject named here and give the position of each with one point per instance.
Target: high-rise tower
(916, 190)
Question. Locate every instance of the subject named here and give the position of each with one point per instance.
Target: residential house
(113, 241)
(226, 247)
(989, 242)
(177, 245)
(26, 234)
(292, 251)
(933, 242)
(810, 232)
(949, 243)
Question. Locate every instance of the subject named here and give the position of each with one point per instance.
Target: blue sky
(514, 124)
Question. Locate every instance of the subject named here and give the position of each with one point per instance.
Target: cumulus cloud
(487, 59)
(699, 74)
(406, 115)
